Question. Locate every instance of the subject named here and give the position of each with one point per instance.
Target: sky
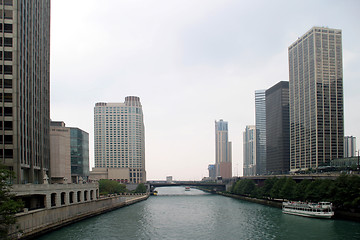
(191, 63)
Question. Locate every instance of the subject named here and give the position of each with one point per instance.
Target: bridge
(212, 186)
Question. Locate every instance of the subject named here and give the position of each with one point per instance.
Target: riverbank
(338, 214)
(37, 222)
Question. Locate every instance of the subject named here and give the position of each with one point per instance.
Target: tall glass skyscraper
(120, 137)
(223, 158)
(25, 88)
(277, 129)
(260, 123)
(316, 99)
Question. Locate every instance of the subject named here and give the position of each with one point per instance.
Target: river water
(179, 214)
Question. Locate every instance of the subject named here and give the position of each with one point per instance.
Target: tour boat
(316, 210)
(187, 188)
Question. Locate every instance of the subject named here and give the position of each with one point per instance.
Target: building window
(8, 28)
(7, 83)
(8, 42)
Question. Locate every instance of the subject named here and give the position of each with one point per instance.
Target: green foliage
(300, 189)
(244, 187)
(276, 189)
(8, 205)
(288, 189)
(107, 186)
(344, 192)
(268, 185)
(141, 188)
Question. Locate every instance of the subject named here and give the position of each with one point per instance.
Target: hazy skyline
(191, 63)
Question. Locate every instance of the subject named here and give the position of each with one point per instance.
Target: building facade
(212, 172)
(349, 146)
(69, 154)
(277, 129)
(223, 157)
(260, 123)
(316, 99)
(79, 150)
(249, 151)
(60, 159)
(25, 88)
(119, 138)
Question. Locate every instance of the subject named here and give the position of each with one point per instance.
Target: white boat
(316, 210)
(187, 188)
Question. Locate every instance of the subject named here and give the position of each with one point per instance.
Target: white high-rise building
(260, 123)
(349, 146)
(316, 99)
(120, 139)
(249, 151)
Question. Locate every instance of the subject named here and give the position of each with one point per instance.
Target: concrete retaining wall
(37, 222)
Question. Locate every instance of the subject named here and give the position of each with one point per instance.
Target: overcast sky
(191, 63)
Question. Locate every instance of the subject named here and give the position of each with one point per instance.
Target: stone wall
(37, 222)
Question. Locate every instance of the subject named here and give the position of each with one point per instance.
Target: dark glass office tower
(277, 129)
(316, 99)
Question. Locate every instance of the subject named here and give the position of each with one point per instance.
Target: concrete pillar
(48, 200)
(58, 199)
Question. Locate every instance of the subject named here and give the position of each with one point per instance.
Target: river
(179, 214)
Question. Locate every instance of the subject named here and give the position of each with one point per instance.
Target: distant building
(277, 129)
(119, 137)
(316, 99)
(249, 151)
(60, 157)
(349, 146)
(260, 123)
(69, 154)
(79, 147)
(212, 171)
(223, 157)
(169, 179)
(25, 89)
(121, 175)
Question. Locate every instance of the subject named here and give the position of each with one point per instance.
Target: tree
(300, 189)
(8, 205)
(268, 185)
(288, 189)
(275, 190)
(141, 188)
(107, 186)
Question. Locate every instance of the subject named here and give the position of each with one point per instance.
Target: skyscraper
(277, 129)
(120, 138)
(223, 160)
(25, 88)
(349, 146)
(249, 151)
(316, 99)
(260, 123)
